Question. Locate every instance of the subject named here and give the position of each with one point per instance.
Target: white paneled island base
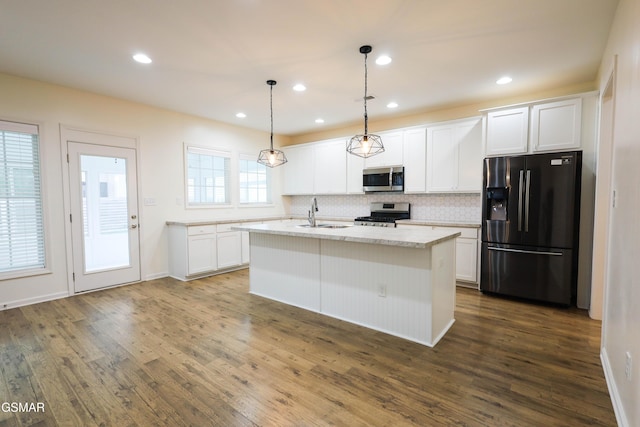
(401, 282)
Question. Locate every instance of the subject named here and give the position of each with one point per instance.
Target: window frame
(269, 183)
(34, 128)
(213, 152)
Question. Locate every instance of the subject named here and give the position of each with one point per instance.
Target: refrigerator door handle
(520, 196)
(526, 202)
(525, 252)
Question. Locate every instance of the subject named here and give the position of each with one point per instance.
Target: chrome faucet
(312, 212)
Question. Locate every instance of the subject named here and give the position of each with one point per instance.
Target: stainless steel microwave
(383, 179)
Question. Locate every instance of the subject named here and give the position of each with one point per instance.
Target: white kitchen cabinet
(538, 127)
(466, 251)
(414, 153)
(229, 246)
(507, 131)
(555, 126)
(392, 155)
(355, 165)
(330, 165)
(299, 171)
(201, 249)
(454, 156)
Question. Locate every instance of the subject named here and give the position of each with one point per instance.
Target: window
(208, 175)
(255, 181)
(21, 218)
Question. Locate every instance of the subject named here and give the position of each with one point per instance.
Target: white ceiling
(211, 58)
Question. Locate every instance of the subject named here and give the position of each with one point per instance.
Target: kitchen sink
(324, 226)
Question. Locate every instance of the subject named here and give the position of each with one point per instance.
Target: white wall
(161, 135)
(621, 319)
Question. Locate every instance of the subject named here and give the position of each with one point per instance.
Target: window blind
(21, 216)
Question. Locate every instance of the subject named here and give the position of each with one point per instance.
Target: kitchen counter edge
(371, 235)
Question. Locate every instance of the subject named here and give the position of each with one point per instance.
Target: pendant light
(366, 145)
(270, 157)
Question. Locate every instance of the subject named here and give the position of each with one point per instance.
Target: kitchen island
(394, 280)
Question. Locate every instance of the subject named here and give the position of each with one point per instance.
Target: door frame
(110, 139)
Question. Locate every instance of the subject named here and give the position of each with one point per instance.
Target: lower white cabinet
(466, 251)
(201, 253)
(203, 250)
(229, 246)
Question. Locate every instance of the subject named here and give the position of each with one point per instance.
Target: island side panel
(286, 269)
(444, 287)
(387, 288)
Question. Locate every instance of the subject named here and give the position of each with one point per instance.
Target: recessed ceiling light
(142, 58)
(299, 87)
(392, 105)
(504, 80)
(383, 60)
(319, 121)
(241, 115)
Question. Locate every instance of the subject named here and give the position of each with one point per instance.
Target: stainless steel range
(385, 214)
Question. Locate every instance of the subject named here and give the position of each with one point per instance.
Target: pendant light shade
(270, 157)
(365, 145)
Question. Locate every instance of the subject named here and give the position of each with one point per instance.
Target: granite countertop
(410, 238)
(439, 223)
(432, 223)
(188, 223)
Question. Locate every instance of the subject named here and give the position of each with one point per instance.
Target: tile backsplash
(427, 207)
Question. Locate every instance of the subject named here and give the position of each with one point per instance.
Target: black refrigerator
(530, 226)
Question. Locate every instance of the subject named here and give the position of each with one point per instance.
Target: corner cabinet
(203, 250)
(538, 127)
(454, 156)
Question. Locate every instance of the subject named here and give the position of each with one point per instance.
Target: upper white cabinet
(299, 171)
(454, 156)
(547, 126)
(414, 152)
(392, 155)
(355, 164)
(556, 125)
(330, 164)
(507, 131)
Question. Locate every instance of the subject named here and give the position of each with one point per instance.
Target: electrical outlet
(627, 366)
(382, 291)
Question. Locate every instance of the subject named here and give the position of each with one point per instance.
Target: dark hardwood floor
(206, 353)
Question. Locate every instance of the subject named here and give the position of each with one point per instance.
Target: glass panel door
(104, 219)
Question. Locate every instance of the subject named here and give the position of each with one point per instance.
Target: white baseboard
(616, 401)
(28, 301)
(155, 276)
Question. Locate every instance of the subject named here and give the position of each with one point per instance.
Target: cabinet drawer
(201, 229)
(226, 227)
